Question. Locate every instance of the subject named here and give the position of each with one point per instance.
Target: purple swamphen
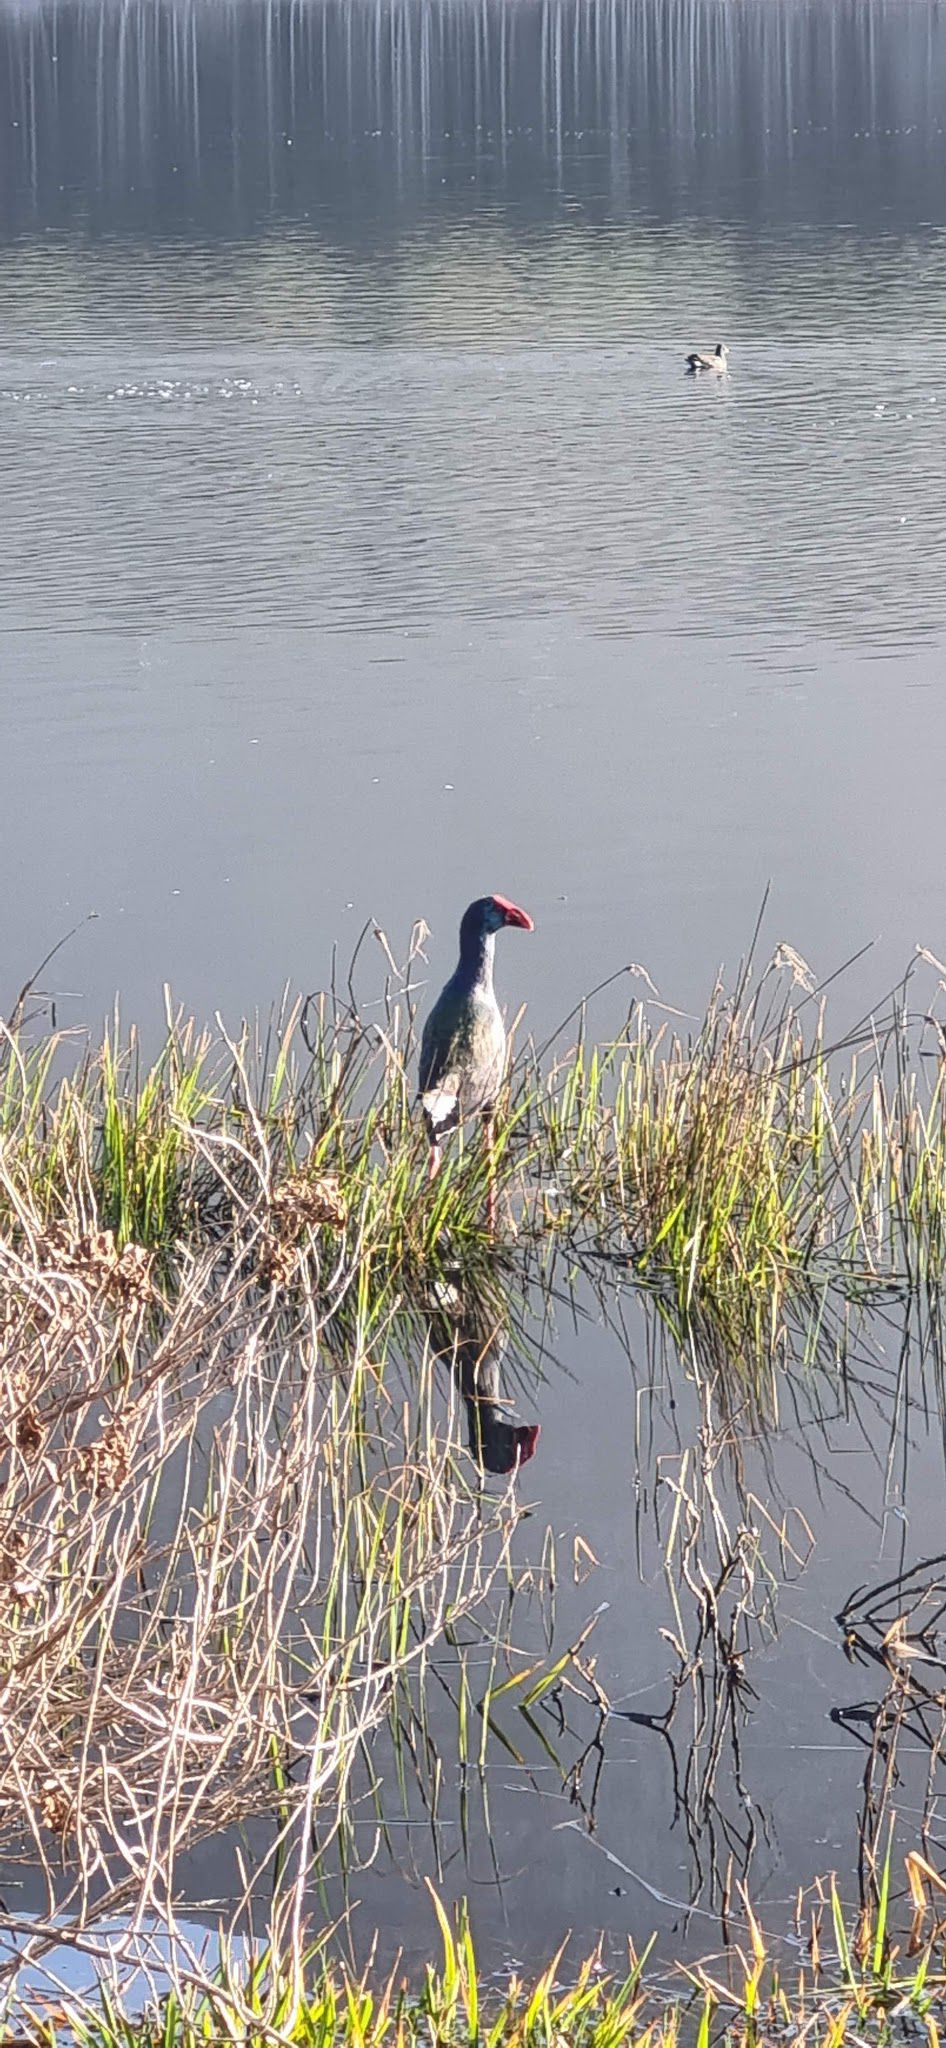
(463, 1049)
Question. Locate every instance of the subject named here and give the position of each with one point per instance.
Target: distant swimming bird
(463, 1049)
(716, 364)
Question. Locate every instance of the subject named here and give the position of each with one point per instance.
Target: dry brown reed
(222, 1554)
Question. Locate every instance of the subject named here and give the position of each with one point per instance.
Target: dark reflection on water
(171, 116)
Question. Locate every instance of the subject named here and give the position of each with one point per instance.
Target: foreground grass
(836, 1984)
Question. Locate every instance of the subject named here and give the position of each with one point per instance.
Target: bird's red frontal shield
(513, 914)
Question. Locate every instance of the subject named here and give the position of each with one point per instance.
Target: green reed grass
(737, 1170)
(321, 2006)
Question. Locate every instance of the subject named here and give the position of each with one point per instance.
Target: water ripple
(393, 485)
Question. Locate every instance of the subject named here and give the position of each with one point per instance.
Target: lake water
(364, 547)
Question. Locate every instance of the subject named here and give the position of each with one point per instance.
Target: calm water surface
(364, 547)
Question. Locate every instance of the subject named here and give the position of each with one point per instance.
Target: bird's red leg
(490, 1177)
(434, 1158)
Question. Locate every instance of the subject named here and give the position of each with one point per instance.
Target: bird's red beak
(513, 915)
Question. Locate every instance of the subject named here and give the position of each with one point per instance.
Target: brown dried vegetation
(220, 1552)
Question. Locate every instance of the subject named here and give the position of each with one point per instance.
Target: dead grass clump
(299, 1206)
(15, 1583)
(55, 1808)
(21, 1426)
(104, 1466)
(122, 1273)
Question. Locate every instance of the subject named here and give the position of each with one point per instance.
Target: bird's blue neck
(475, 969)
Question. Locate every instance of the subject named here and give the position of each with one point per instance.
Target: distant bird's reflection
(472, 1337)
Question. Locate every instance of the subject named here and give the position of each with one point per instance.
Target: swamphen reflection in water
(472, 1336)
(463, 1050)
